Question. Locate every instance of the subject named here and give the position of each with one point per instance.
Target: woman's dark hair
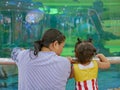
(84, 51)
(49, 37)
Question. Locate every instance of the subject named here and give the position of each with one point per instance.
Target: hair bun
(79, 40)
(90, 40)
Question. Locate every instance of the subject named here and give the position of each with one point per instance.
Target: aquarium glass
(21, 25)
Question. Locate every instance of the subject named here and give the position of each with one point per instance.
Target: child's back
(85, 76)
(85, 71)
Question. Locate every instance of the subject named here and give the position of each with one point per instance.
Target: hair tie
(90, 40)
(79, 40)
(37, 46)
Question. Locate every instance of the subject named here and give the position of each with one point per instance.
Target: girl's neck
(85, 64)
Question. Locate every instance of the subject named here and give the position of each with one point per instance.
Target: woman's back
(47, 71)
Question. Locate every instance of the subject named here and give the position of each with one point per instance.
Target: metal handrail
(113, 60)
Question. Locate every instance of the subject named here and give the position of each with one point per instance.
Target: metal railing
(113, 60)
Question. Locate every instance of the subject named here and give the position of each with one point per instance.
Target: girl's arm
(103, 63)
(72, 70)
(72, 73)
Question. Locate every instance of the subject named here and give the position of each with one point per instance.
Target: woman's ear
(55, 44)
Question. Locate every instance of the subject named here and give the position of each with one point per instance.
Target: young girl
(86, 69)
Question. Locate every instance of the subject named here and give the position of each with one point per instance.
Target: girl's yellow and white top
(86, 76)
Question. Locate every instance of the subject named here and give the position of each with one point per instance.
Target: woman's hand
(71, 60)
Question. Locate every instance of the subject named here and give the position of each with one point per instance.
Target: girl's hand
(101, 57)
(103, 63)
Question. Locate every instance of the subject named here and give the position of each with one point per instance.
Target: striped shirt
(47, 71)
(87, 85)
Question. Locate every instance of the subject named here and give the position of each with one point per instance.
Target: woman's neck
(46, 49)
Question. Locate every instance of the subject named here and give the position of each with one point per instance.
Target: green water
(106, 79)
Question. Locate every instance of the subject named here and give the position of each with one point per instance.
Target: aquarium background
(24, 21)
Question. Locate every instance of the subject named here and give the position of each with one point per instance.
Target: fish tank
(24, 21)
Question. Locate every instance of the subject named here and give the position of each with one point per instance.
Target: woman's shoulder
(17, 52)
(63, 60)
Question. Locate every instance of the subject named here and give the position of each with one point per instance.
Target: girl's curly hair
(84, 50)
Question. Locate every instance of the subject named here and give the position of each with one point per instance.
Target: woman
(43, 68)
